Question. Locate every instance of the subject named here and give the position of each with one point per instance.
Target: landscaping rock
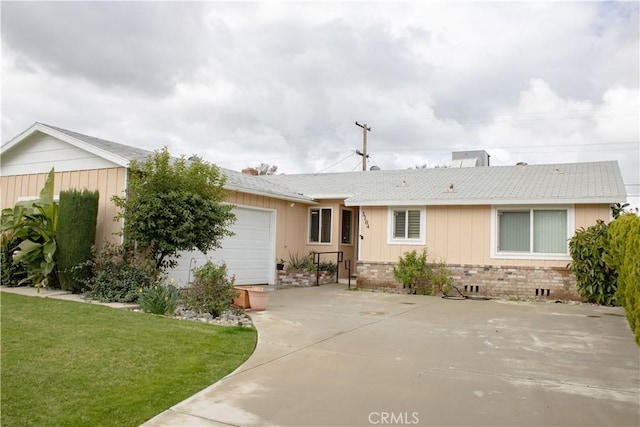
(231, 317)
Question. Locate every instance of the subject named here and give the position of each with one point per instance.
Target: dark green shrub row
(77, 220)
(623, 255)
(606, 262)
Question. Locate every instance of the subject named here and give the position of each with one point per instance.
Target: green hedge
(623, 255)
(77, 219)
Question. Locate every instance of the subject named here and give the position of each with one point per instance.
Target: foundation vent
(543, 292)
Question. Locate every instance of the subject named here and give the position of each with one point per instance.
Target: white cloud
(283, 83)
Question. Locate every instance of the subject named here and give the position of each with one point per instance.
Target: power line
(337, 163)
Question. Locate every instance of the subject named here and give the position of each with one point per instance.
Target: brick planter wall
(492, 281)
(295, 279)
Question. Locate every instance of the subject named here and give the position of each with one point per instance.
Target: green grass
(72, 364)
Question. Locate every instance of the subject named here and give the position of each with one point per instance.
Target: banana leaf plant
(29, 230)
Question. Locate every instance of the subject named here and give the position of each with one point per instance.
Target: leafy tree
(174, 205)
(266, 169)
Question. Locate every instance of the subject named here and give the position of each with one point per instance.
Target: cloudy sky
(243, 83)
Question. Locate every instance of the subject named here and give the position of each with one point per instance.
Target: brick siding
(294, 279)
(554, 283)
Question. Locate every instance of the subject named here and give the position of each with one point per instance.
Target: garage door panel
(249, 253)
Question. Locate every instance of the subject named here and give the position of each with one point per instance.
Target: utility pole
(363, 153)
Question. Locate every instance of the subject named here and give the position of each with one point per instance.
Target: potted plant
(280, 265)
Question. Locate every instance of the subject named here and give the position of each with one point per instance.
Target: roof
(237, 181)
(123, 155)
(594, 182)
(564, 183)
(119, 154)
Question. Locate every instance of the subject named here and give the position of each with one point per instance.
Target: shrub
(421, 278)
(595, 279)
(211, 290)
(441, 280)
(297, 262)
(118, 275)
(411, 269)
(306, 263)
(12, 275)
(623, 255)
(326, 266)
(77, 219)
(159, 299)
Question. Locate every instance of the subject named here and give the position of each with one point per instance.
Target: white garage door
(249, 253)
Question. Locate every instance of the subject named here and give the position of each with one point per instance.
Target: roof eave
(470, 202)
(289, 198)
(328, 196)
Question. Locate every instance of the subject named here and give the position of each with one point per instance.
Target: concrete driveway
(327, 356)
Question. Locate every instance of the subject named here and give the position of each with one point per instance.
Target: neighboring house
(503, 230)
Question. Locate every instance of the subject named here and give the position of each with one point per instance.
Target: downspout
(359, 241)
(126, 187)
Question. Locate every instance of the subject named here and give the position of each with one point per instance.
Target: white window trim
(309, 242)
(352, 224)
(390, 226)
(495, 254)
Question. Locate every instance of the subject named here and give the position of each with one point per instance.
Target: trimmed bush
(623, 254)
(211, 291)
(77, 219)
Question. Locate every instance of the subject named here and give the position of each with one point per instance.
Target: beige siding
(457, 235)
(292, 225)
(108, 182)
(587, 215)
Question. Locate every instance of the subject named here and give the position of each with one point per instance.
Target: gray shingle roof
(236, 181)
(125, 151)
(596, 182)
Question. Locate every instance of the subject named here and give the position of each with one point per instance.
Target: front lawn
(72, 364)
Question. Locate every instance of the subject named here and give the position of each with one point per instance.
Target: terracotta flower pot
(242, 297)
(258, 298)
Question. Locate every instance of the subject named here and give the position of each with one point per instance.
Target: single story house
(502, 230)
